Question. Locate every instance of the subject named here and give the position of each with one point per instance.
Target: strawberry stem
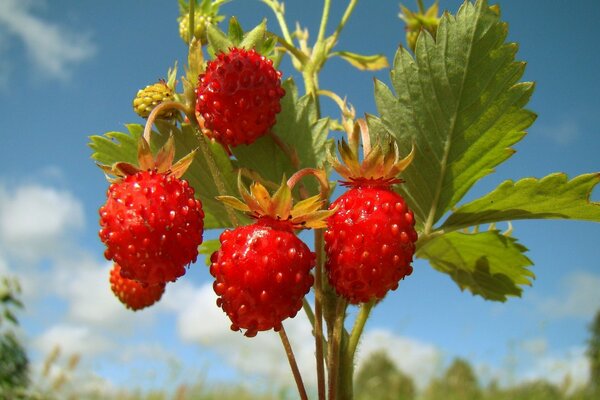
(157, 110)
(357, 329)
(191, 16)
(335, 344)
(293, 365)
(324, 19)
(317, 173)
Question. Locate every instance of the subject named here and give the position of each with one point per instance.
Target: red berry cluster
(152, 226)
(239, 96)
(133, 294)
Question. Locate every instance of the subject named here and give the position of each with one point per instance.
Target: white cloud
(579, 298)
(421, 361)
(72, 339)
(53, 48)
(34, 219)
(199, 320)
(571, 367)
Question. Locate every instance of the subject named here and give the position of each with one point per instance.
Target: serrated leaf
(119, 146)
(552, 197)
(488, 264)
(365, 63)
(207, 248)
(461, 103)
(301, 131)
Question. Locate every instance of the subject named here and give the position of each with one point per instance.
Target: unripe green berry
(201, 23)
(150, 97)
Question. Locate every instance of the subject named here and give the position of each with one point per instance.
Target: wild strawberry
(150, 97)
(152, 223)
(262, 271)
(133, 294)
(371, 238)
(239, 96)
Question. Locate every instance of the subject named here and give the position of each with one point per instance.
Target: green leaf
(365, 63)
(300, 130)
(487, 264)
(552, 197)
(461, 102)
(118, 146)
(207, 248)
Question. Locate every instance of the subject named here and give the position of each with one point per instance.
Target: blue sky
(69, 69)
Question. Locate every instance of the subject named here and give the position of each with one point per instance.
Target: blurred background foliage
(378, 378)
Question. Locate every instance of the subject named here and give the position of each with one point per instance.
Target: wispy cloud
(53, 48)
(562, 132)
(579, 298)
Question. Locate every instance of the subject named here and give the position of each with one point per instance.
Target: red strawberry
(239, 96)
(262, 271)
(262, 274)
(151, 223)
(369, 242)
(152, 226)
(133, 294)
(371, 238)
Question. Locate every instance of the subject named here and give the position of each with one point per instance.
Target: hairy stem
(191, 16)
(318, 326)
(357, 329)
(293, 365)
(335, 344)
(324, 19)
(157, 110)
(279, 14)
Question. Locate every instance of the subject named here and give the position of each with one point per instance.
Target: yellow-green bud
(201, 22)
(150, 97)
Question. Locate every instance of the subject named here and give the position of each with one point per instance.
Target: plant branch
(344, 20)
(300, 56)
(191, 16)
(293, 365)
(278, 10)
(324, 19)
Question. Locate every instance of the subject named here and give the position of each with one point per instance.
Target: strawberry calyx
(278, 211)
(162, 163)
(380, 164)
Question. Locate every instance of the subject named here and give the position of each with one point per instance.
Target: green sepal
(217, 41)
(373, 62)
(235, 33)
(254, 39)
(145, 157)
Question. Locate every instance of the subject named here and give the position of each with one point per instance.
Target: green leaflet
(461, 103)
(300, 129)
(552, 197)
(117, 146)
(487, 264)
